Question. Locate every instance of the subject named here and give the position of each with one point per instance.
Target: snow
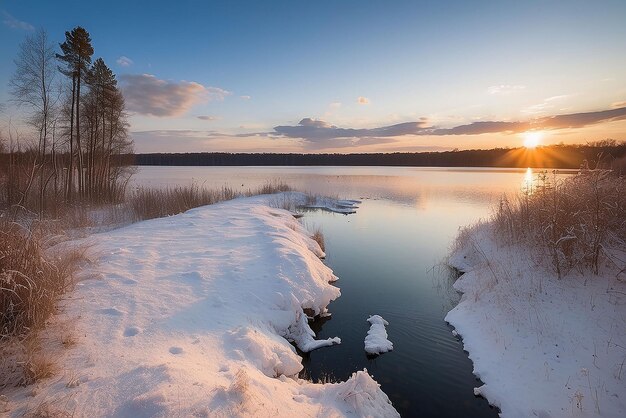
(542, 346)
(376, 341)
(192, 315)
(338, 206)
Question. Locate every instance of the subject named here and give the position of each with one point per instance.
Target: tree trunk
(70, 171)
(78, 145)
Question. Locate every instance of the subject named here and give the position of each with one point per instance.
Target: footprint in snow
(111, 311)
(131, 331)
(176, 350)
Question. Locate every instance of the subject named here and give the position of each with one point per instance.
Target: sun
(532, 139)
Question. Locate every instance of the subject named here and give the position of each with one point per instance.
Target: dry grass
(32, 276)
(149, 203)
(37, 366)
(318, 236)
(68, 340)
(578, 222)
(49, 409)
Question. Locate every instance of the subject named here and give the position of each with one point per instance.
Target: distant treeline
(602, 154)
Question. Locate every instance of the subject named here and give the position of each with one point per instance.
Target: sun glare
(532, 139)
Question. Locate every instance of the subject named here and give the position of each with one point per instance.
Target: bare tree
(32, 87)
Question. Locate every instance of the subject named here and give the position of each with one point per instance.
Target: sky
(347, 76)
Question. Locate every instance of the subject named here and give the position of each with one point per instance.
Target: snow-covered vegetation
(577, 223)
(543, 311)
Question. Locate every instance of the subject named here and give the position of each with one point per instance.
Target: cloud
(145, 94)
(479, 128)
(363, 100)
(124, 61)
(245, 97)
(209, 117)
(579, 120)
(618, 104)
(14, 23)
(312, 130)
(505, 89)
(318, 130)
(546, 105)
(335, 105)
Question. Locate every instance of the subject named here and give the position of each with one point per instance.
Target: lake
(388, 257)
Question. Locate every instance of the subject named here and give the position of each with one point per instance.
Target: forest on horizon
(606, 154)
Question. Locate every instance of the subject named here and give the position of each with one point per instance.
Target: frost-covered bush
(578, 222)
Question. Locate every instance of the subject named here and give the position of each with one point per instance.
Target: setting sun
(532, 139)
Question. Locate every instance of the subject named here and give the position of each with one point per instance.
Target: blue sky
(249, 67)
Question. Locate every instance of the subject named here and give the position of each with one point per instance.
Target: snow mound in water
(376, 341)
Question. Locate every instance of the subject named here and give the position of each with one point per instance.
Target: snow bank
(543, 347)
(376, 341)
(190, 316)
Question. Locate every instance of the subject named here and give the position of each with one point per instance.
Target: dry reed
(578, 222)
(149, 203)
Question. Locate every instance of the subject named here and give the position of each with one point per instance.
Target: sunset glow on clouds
(422, 76)
(147, 95)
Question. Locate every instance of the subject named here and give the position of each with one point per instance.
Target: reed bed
(149, 203)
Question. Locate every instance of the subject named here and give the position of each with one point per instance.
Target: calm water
(387, 257)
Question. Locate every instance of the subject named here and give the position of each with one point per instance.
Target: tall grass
(149, 203)
(32, 276)
(578, 222)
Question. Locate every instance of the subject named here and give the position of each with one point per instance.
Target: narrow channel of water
(387, 257)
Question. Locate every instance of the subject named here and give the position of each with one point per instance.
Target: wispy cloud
(147, 95)
(505, 89)
(245, 97)
(15, 23)
(318, 130)
(209, 118)
(618, 104)
(335, 105)
(546, 105)
(363, 100)
(124, 61)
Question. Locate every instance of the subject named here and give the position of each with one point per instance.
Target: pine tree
(76, 55)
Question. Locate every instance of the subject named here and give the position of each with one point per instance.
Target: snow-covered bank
(190, 315)
(543, 347)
